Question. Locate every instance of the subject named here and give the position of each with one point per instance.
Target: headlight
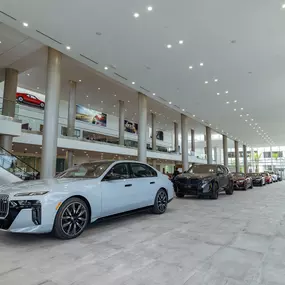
(205, 182)
(38, 193)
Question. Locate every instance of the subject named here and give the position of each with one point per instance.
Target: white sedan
(81, 195)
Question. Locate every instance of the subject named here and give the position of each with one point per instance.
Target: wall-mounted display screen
(159, 135)
(131, 127)
(91, 116)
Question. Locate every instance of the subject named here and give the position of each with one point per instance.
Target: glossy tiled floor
(235, 240)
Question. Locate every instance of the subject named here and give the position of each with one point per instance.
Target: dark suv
(204, 180)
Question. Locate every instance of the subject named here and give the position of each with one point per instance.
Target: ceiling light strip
(144, 89)
(120, 76)
(9, 16)
(84, 56)
(45, 35)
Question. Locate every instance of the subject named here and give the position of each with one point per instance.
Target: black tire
(20, 99)
(42, 105)
(251, 185)
(261, 184)
(230, 189)
(179, 195)
(215, 191)
(76, 214)
(245, 186)
(160, 202)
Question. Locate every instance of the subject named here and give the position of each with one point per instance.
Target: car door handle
(152, 182)
(128, 185)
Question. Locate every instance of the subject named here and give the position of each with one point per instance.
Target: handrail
(12, 155)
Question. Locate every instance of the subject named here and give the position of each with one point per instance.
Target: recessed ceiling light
(252, 119)
(136, 15)
(169, 103)
(169, 46)
(247, 114)
(79, 80)
(133, 83)
(228, 102)
(194, 116)
(201, 64)
(235, 101)
(129, 101)
(68, 48)
(202, 120)
(246, 120)
(283, 6)
(216, 80)
(99, 88)
(153, 94)
(101, 101)
(235, 109)
(38, 88)
(206, 82)
(250, 124)
(210, 125)
(240, 115)
(114, 106)
(25, 24)
(218, 93)
(149, 8)
(190, 67)
(181, 42)
(87, 96)
(241, 109)
(227, 92)
(183, 110)
(28, 74)
(106, 68)
(0, 42)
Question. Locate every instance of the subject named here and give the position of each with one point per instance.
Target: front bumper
(28, 220)
(257, 182)
(193, 189)
(239, 186)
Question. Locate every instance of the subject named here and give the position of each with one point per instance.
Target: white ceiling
(241, 44)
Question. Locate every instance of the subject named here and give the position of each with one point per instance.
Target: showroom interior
(168, 84)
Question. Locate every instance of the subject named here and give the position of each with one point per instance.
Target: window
(119, 171)
(86, 170)
(142, 170)
(33, 97)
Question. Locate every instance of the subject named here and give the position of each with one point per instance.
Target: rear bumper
(257, 183)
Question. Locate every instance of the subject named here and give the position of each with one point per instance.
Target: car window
(142, 170)
(28, 96)
(224, 169)
(33, 97)
(118, 171)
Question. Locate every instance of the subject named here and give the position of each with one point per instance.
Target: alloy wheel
(74, 219)
(162, 201)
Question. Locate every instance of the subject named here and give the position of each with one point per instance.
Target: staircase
(13, 169)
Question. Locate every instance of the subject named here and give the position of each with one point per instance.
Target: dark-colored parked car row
(208, 180)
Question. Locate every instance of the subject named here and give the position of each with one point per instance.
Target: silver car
(81, 195)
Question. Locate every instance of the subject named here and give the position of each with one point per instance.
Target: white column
(50, 132)
(121, 122)
(237, 156)
(9, 102)
(176, 147)
(209, 145)
(225, 150)
(142, 127)
(153, 131)
(71, 120)
(184, 139)
(245, 159)
(216, 154)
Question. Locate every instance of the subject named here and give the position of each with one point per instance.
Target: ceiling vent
(84, 56)
(144, 89)
(8, 16)
(120, 76)
(50, 38)
(177, 107)
(162, 99)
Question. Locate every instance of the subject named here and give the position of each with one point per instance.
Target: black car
(204, 180)
(257, 179)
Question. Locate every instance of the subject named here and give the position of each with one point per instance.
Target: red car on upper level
(29, 100)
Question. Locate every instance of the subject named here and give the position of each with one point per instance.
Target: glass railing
(16, 166)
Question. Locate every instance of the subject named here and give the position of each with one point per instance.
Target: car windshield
(238, 174)
(199, 169)
(253, 174)
(86, 170)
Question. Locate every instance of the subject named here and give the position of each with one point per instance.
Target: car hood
(36, 185)
(238, 179)
(195, 176)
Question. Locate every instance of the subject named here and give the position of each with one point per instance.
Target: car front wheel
(71, 219)
(215, 191)
(230, 189)
(160, 202)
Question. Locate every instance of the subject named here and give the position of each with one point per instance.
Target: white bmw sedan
(81, 195)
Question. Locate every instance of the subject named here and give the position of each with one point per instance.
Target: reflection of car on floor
(267, 176)
(242, 181)
(257, 179)
(81, 195)
(29, 99)
(204, 180)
